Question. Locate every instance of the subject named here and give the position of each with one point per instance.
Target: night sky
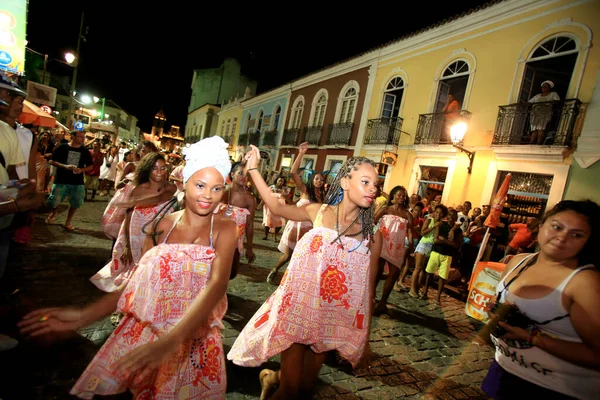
(143, 58)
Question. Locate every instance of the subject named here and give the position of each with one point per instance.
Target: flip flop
(69, 227)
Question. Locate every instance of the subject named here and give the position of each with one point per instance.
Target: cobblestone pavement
(424, 351)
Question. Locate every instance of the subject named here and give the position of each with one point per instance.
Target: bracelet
(534, 331)
(15, 203)
(252, 169)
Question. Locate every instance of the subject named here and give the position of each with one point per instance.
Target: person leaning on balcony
(541, 114)
(451, 113)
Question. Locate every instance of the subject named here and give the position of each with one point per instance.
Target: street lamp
(69, 60)
(457, 134)
(86, 99)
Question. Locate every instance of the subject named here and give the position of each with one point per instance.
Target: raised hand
(252, 158)
(48, 320)
(303, 148)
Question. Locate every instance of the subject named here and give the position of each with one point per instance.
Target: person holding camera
(545, 323)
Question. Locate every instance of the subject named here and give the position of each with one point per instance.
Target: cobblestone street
(424, 350)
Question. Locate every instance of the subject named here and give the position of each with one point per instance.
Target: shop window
(432, 181)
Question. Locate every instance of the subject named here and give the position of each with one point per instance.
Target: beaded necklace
(337, 229)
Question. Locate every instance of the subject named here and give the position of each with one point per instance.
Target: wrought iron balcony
(254, 137)
(383, 131)
(290, 137)
(312, 134)
(270, 138)
(243, 139)
(556, 119)
(340, 134)
(435, 128)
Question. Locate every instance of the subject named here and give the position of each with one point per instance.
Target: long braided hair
(335, 194)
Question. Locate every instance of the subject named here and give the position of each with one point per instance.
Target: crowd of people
(178, 237)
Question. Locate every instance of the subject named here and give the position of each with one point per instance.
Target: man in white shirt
(21, 196)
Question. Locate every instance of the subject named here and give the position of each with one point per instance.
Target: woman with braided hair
(148, 195)
(323, 302)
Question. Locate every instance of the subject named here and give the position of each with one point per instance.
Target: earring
(340, 196)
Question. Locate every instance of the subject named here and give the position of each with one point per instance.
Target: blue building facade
(262, 122)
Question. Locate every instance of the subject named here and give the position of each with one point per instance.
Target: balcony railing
(383, 131)
(312, 134)
(254, 137)
(556, 119)
(269, 138)
(435, 128)
(290, 137)
(340, 134)
(243, 139)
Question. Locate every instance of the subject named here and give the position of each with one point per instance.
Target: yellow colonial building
(486, 70)
(229, 124)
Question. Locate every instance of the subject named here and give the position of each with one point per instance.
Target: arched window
(319, 113)
(348, 105)
(392, 98)
(457, 68)
(558, 46)
(248, 122)
(276, 117)
(454, 81)
(260, 120)
(297, 114)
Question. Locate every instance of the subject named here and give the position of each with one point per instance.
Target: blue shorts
(60, 192)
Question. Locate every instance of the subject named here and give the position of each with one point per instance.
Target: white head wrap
(550, 83)
(209, 152)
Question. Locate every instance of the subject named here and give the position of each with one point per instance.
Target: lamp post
(74, 79)
(457, 134)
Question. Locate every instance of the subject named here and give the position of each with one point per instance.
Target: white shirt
(25, 137)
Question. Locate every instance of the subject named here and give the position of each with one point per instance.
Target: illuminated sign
(13, 21)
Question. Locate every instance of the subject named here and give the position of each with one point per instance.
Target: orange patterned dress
(116, 272)
(167, 281)
(393, 231)
(322, 301)
(239, 216)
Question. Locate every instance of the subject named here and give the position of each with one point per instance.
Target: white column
(364, 118)
(588, 144)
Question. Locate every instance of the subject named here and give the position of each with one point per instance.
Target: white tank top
(536, 365)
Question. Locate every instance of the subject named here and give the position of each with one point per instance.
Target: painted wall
(583, 183)
(496, 53)
(217, 85)
(201, 123)
(229, 127)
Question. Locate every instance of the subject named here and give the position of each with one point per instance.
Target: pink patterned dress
(239, 216)
(269, 219)
(393, 230)
(293, 230)
(322, 301)
(113, 216)
(167, 281)
(116, 272)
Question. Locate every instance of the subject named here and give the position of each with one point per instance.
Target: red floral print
(316, 243)
(332, 284)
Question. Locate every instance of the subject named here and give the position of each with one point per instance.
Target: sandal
(268, 381)
(69, 227)
(50, 219)
(271, 277)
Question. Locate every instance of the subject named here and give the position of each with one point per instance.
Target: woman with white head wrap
(541, 114)
(174, 302)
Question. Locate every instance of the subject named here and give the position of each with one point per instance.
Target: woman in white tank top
(558, 290)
